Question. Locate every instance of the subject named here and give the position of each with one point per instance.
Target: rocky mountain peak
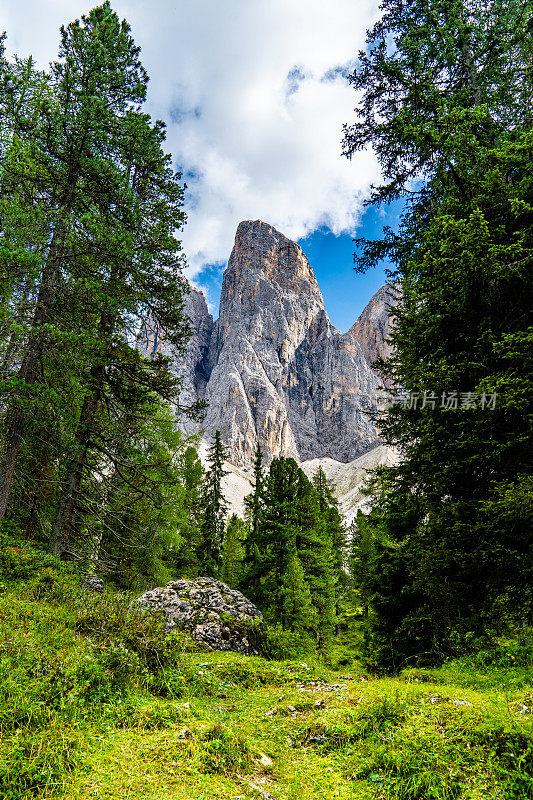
(373, 327)
(261, 249)
(281, 374)
(269, 291)
(273, 369)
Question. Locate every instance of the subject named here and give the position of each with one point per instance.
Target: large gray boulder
(209, 610)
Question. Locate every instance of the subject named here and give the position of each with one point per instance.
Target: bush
(280, 644)
(120, 629)
(23, 563)
(224, 752)
(506, 656)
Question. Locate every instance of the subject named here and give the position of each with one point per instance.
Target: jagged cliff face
(276, 371)
(373, 327)
(193, 367)
(273, 369)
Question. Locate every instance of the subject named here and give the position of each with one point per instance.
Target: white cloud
(254, 97)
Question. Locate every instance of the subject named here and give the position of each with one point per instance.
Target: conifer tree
(275, 540)
(299, 614)
(332, 550)
(333, 523)
(254, 502)
(233, 549)
(143, 504)
(293, 531)
(104, 256)
(213, 511)
(446, 104)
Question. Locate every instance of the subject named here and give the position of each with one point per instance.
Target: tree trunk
(74, 471)
(68, 500)
(14, 343)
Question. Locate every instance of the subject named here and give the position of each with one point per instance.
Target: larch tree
(105, 193)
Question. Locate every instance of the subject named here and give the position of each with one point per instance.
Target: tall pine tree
(214, 509)
(101, 242)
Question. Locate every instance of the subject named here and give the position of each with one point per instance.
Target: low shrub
(224, 752)
(23, 563)
(280, 644)
(120, 629)
(511, 654)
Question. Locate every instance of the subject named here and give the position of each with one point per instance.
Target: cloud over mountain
(254, 95)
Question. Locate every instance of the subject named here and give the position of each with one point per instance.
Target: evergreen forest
(395, 656)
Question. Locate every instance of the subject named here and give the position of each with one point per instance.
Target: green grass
(96, 703)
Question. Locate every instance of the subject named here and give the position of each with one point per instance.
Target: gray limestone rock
(209, 610)
(191, 367)
(281, 374)
(373, 327)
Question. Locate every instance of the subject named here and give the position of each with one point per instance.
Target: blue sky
(345, 291)
(255, 96)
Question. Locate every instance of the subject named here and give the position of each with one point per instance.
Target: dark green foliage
(233, 551)
(213, 508)
(182, 557)
(279, 643)
(463, 322)
(299, 613)
(332, 556)
(254, 505)
(147, 516)
(89, 210)
(224, 752)
(292, 566)
(286, 512)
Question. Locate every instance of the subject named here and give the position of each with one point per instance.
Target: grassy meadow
(98, 702)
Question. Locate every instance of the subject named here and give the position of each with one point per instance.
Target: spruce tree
(213, 511)
(299, 614)
(292, 536)
(233, 550)
(447, 107)
(275, 540)
(254, 502)
(332, 550)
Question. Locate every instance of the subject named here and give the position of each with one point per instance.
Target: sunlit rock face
(373, 328)
(276, 370)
